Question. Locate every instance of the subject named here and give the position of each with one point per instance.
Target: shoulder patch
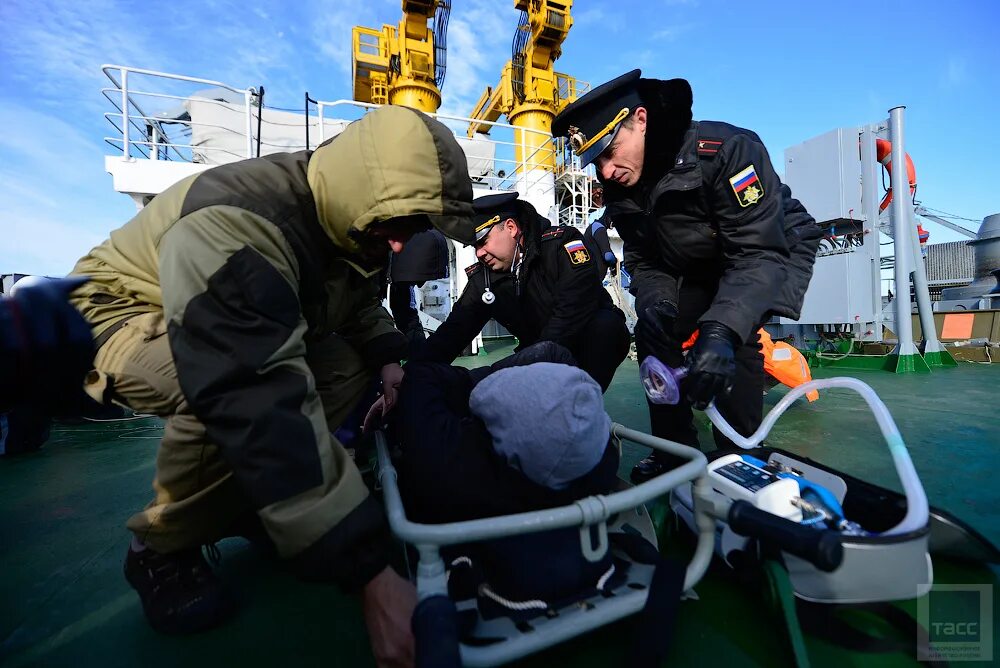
(577, 252)
(554, 233)
(708, 146)
(747, 187)
(473, 268)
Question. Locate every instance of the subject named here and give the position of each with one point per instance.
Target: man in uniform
(595, 237)
(537, 281)
(243, 304)
(713, 241)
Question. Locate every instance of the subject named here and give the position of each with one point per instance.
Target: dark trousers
(742, 407)
(602, 345)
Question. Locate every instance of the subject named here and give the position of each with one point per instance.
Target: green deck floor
(63, 600)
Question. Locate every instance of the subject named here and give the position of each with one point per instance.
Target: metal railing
(158, 141)
(508, 173)
(569, 88)
(154, 118)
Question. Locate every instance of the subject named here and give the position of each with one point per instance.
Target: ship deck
(63, 600)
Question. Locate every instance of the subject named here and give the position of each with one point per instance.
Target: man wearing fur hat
(713, 241)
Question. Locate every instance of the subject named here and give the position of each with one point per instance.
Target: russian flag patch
(747, 187)
(577, 252)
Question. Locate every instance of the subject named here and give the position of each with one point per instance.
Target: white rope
(535, 604)
(456, 562)
(604, 578)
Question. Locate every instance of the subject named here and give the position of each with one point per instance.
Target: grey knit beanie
(547, 420)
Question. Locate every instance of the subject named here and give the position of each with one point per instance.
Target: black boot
(655, 464)
(179, 592)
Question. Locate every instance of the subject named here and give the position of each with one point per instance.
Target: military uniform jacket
(559, 292)
(719, 212)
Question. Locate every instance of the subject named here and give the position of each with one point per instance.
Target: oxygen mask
(661, 382)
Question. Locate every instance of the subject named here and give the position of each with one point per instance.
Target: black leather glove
(543, 351)
(46, 346)
(655, 328)
(711, 364)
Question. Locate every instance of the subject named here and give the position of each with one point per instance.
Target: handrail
(518, 166)
(153, 136)
(122, 85)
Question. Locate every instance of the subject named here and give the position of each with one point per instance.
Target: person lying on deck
(528, 433)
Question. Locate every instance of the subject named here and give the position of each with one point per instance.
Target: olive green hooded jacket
(250, 261)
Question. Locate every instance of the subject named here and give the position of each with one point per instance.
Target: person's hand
(656, 328)
(711, 364)
(45, 338)
(388, 602)
(392, 376)
(375, 415)
(543, 351)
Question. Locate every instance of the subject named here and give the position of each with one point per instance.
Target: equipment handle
(822, 548)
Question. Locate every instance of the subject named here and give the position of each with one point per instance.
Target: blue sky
(788, 70)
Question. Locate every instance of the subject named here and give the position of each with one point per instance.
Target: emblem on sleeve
(748, 188)
(577, 252)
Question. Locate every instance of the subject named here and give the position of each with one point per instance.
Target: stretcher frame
(593, 511)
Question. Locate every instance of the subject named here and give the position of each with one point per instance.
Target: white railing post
(249, 100)
(322, 134)
(125, 146)
(901, 235)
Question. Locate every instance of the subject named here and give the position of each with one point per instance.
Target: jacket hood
(393, 162)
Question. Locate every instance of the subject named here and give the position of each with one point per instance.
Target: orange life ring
(883, 152)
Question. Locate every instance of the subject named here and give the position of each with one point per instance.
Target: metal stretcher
(618, 512)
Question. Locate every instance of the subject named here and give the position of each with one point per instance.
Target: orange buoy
(781, 360)
(785, 363)
(883, 152)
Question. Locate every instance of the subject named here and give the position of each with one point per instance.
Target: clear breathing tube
(662, 386)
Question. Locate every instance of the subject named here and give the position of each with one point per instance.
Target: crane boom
(921, 211)
(530, 92)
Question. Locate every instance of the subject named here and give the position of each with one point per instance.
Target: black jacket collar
(663, 173)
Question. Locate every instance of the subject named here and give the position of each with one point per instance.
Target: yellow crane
(403, 64)
(530, 92)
